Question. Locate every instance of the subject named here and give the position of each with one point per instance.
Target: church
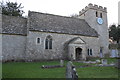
(43, 36)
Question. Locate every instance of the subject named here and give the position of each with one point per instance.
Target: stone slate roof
(59, 24)
(14, 25)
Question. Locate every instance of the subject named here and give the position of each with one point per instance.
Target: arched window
(38, 40)
(96, 14)
(90, 51)
(100, 15)
(48, 42)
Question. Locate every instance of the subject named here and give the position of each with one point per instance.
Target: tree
(74, 15)
(12, 9)
(114, 32)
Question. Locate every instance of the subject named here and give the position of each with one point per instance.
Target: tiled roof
(59, 24)
(14, 25)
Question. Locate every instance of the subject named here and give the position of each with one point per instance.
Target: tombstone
(118, 63)
(71, 73)
(104, 61)
(68, 70)
(114, 53)
(61, 63)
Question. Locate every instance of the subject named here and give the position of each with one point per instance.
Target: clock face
(100, 20)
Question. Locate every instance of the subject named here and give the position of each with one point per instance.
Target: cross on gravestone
(71, 73)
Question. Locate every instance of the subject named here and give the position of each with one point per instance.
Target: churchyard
(88, 69)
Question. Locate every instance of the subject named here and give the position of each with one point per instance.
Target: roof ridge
(55, 15)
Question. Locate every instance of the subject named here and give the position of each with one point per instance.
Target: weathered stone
(61, 63)
(118, 63)
(54, 23)
(14, 25)
(98, 61)
(104, 61)
(51, 66)
(71, 71)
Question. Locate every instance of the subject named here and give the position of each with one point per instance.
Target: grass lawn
(34, 70)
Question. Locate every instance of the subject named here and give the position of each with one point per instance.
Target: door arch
(78, 52)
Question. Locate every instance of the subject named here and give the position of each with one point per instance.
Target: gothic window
(48, 42)
(96, 14)
(100, 15)
(38, 40)
(90, 51)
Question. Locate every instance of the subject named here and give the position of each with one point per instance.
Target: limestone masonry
(44, 36)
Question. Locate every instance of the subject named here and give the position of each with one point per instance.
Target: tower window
(96, 14)
(48, 42)
(100, 15)
(38, 40)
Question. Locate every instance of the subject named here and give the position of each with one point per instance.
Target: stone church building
(44, 36)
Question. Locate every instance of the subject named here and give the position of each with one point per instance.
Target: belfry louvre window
(48, 42)
(100, 15)
(96, 14)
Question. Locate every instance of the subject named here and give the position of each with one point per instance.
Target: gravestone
(68, 70)
(118, 63)
(104, 61)
(71, 73)
(61, 63)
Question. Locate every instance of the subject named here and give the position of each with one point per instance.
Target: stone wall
(38, 52)
(13, 47)
(0, 35)
(89, 14)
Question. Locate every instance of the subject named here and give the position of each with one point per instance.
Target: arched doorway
(78, 53)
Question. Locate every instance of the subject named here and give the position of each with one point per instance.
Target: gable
(77, 41)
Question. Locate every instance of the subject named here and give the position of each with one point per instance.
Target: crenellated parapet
(95, 7)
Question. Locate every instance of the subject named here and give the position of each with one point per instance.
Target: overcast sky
(68, 7)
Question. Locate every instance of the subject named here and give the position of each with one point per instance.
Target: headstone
(69, 70)
(118, 63)
(98, 61)
(71, 73)
(61, 63)
(114, 53)
(104, 61)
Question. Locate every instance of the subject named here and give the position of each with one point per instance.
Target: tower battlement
(95, 7)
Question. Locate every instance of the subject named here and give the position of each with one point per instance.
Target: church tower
(96, 17)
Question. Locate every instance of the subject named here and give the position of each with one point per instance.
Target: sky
(68, 7)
